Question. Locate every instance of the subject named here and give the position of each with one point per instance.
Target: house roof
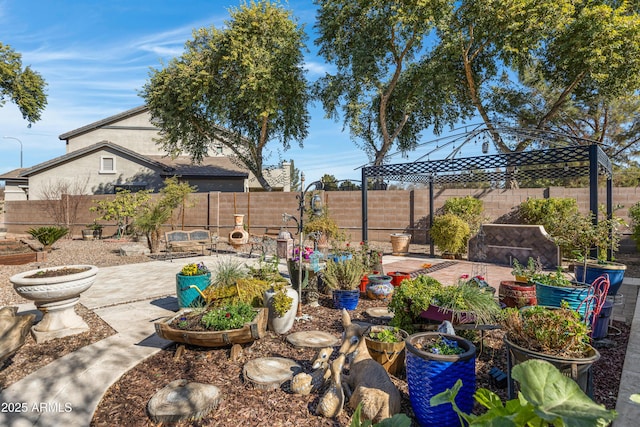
(104, 122)
(13, 175)
(86, 150)
(209, 167)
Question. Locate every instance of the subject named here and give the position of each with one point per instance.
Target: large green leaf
(557, 398)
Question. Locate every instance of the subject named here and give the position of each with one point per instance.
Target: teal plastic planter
(188, 296)
(552, 296)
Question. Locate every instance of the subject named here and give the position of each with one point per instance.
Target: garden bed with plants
(125, 401)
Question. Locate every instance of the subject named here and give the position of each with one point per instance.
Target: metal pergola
(567, 162)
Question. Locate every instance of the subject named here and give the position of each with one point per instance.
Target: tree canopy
(557, 65)
(570, 66)
(243, 85)
(382, 85)
(22, 86)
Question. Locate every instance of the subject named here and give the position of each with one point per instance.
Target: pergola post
(365, 218)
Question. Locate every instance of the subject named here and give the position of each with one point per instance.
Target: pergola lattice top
(568, 162)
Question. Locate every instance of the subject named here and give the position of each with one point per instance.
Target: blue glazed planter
(187, 296)
(429, 374)
(347, 299)
(343, 256)
(552, 296)
(614, 270)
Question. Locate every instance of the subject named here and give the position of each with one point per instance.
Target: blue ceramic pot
(429, 374)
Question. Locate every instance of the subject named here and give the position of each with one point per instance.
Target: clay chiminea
(238, 235)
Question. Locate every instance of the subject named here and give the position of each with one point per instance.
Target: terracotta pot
(517, 294)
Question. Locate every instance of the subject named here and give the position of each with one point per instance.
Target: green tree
(294, 177)
(23, 86)
(175, 195)
(384, 84)
(121, 208)
(243, 85)
(534, 63)
(349, 186)
(329, 182)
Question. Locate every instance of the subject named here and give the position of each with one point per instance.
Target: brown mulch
(125, 402)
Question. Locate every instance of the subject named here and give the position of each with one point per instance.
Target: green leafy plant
(557, 278)
(450, 233)
(439, 345)
(414, 296)
(557, 332)
(193, 269)
(528, 272)
(344, 275)
(232, 316)
(281, 302)
(546, 398)
(323, 224)
(266, 270)
(551, 213)
(227, 272)
(47, 236)
(389, 335)
(467, 208)
(634, 214)
(580, 235)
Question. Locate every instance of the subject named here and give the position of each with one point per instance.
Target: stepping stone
(133, 250)
(182, 400)
(381, 313)
(269, 373)
(312, 339)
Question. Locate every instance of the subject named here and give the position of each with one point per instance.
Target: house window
(218, 149)
(107, 164)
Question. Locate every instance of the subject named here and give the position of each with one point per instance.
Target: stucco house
(121, 152)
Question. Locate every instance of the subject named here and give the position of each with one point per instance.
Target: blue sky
(96, 55)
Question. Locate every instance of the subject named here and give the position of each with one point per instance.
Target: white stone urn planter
(55, 292)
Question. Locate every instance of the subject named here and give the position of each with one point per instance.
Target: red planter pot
(397, 277)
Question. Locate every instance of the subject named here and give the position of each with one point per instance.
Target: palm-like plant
(47, 236)
(150, 223)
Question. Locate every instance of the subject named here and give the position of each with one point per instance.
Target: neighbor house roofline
(83, 151)
(104, 122)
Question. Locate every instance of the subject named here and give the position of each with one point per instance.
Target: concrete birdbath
(55, 292)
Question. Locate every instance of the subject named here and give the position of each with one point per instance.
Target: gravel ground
(101, 253)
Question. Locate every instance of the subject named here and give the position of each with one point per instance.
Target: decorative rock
(312, 339)
(133, 250)
(14, 329)
(235, 352)
(269, 373)
(183, 400)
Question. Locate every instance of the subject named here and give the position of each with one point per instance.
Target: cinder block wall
(390, 211)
